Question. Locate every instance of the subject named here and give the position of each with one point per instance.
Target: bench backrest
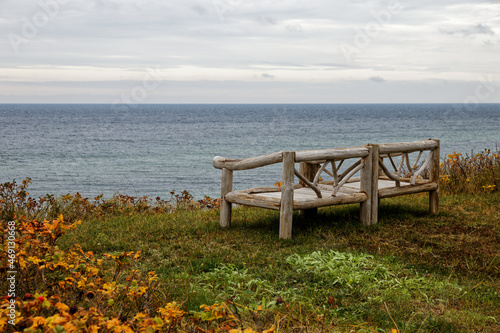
(405, 169)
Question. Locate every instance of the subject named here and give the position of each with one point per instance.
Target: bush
(15, 200)
(475, 173)
(51, 290)
(75, 291)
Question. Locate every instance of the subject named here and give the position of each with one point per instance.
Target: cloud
(200, 9)
(478, 29)
(294, 28)
(481, 29)
(267, 20)
(267, 76)
(267, 91)
(377, 79)
(249, 41)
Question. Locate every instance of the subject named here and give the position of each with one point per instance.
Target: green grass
(412, 271)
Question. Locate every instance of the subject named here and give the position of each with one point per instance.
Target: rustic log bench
(359, 175)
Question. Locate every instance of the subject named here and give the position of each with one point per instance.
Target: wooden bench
(358, 175)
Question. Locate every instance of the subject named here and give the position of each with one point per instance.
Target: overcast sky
(250, 51)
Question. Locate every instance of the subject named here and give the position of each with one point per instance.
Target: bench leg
(366, 186)
(225, 206)
(365, 210)
(308, 171)
(434, 202)
(374, 190)
(434, 177)
(286, 207)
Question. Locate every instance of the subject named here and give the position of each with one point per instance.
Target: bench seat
(303, 198)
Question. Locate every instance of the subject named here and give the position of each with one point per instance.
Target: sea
(154, 149)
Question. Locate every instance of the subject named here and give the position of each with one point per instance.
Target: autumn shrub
(53, 287)
(73, 290)
(15, 199)
(475, 173)
(76, 291)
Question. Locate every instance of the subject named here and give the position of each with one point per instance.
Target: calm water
(154, 149)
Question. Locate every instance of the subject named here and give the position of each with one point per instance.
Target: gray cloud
(294, 28)
(377, 79)
(268, 91)
(267, 20)
(481, 29)
(200, 9)
(478, 29)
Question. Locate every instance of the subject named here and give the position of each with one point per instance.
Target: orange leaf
(61, 306)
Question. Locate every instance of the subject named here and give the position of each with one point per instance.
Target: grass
(411, 272)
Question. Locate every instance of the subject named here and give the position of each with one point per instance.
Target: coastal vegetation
(128, 264)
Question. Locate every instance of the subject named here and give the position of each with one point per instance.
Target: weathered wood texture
(366, 186)
(340, 199)
(434, 177)
(309, 171)
(406, 180)
(330, 154)
(375, 173)
(308, 183)
(286, 209)
(375, 180)
(300, 156)
(422, 168)
(346, 176)
(247, 163)
(388, 173)
(407, 147)
(403, 190)
(417, 185)
(248, 199)
(225, 208)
